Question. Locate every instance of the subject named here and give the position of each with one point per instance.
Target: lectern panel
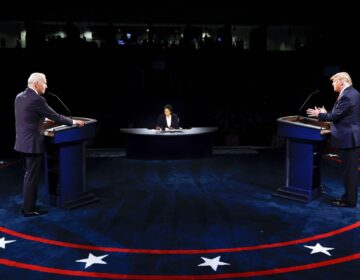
(65, 173)
(304, 144)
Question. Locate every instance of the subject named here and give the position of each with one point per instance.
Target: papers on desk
(51, 131)
(59, 127)
(167, 130)
(171, 131)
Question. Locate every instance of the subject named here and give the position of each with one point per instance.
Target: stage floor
(204, 218)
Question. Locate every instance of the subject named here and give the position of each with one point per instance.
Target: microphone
(307, 99)
(62, 103)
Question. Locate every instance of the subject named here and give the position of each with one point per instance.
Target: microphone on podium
(62, 103)
(307, 99)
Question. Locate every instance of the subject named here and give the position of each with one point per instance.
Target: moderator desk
(65, 170)
(178, 143)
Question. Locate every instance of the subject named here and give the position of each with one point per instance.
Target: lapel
(339, 97)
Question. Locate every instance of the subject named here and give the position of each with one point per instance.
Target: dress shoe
(35, 213)
(339, 199)
(342, 204)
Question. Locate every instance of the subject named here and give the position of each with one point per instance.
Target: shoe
(342, 204)
(35, 213)
(339, 199)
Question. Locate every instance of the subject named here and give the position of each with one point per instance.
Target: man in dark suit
(345, 134)
(167, 120)
(31, 109)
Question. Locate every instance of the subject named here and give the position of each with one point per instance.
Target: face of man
(41, 86)
(167, 112)
(337, 85)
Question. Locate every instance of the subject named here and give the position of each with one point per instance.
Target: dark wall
(240, 92)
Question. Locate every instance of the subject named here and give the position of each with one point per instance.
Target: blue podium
(304, 144)
(65, 172)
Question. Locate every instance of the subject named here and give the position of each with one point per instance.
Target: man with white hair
(31, 109)
(345, 134)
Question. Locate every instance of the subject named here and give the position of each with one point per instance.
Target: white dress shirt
(168, 121)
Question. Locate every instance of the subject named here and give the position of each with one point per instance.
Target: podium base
(298, 194)
(85, 199)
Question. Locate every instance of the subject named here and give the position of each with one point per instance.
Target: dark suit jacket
(345, 120)
(30, 112)
(163, 124)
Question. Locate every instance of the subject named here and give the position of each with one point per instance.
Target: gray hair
(342, 76)
(36, 77)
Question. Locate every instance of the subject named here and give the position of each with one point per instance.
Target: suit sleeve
(175, 123)
(158, 123)
(340, 110)
(46, 111)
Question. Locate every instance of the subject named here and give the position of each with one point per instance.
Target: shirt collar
(33, 90)
(341, 92)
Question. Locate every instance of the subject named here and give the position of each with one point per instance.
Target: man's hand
(316, 111)
(79, 123)
(48, 123)
(322, 109)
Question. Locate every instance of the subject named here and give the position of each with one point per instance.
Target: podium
(65, 172)
(304, 144)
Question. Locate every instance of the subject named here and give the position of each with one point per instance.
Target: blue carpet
(209, 218)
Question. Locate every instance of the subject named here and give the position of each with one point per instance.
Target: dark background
(241, 92)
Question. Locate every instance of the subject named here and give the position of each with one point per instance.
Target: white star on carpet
(319, 249)
(91, 259)
(3, 242)
(214, 263)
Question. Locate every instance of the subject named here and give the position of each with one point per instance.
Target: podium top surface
(324, 127)
(52, 128)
